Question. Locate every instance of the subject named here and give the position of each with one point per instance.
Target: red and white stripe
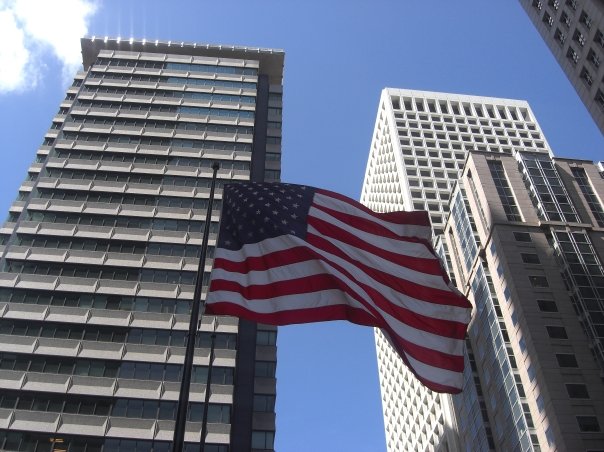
(357, 265)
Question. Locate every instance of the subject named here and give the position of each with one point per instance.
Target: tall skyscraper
(100, 251)
(419, 146)
(525, 235)
(574, 32)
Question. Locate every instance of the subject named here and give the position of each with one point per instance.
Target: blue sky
(339, 56)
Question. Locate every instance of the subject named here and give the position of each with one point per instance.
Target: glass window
(577, 391)
(265, 369)
(522, 236)
(530, 258)
(266, 337)
(538, 281)
(504, 190)
(566, 360)
(264, 403)
(531, 372)
(588, 423)
(547, 306)
(262, 440)
(556, 332)
(540, 403)
(590, 196)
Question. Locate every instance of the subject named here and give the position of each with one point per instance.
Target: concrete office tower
(574, 32)
(419, 146)
(100, 251)
(526, 236)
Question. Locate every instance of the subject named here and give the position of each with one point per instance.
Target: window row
(168, 96)
(130, 105)
(40, 442)
(155, 224)
(118, 334)
(431, 174)
(434, 163)
(118, 407)
(212, 97)
(198, 204)
(153, 141)
(461, 108)
(106, 272)
(461, 132)
(96, 301)
(192, 67)
(131, 178)
(112, 369)
(442, 123)
(112, 246)
(150, 124)
(127, 157)
(435, 154)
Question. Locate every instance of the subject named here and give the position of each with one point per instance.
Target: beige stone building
(574, 32)
(526, 241)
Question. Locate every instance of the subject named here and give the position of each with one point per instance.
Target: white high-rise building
(419, 146)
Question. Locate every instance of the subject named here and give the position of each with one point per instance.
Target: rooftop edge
(271, 61)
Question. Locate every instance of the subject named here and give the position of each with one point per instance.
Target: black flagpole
(206, 403)
(178, 441)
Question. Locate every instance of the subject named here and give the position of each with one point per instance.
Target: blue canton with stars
(253, 212)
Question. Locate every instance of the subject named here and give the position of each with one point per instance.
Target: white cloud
(29, 28)
(14, 56)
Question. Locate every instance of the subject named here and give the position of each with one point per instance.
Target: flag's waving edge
(294, 254)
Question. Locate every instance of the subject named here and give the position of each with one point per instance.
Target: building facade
(100, 250)
(574, 32)
(419, 146)
(526, 240)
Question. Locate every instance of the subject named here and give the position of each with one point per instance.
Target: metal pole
(206, 403)
(178, 441)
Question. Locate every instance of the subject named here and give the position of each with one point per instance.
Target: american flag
(295, 254)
